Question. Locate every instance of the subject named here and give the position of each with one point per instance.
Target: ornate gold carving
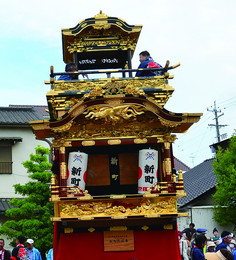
(53, 179)
(129, 89)
(167, 123)
(154, 188)
(74, 86)
(158, 83)
(114, 142)
(85, 43)
(71, 102)
(114, 102)
(78, 110)
(101, 15)
(168, 138)
(114, 114)
(116, 209)
(62, 150)
(63, 128)
(101, 21)
(61, 143)
(96, 92)
(167, 163)
(63, 170)
(167, 145)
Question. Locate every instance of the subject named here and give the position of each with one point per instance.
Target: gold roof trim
(80, 37)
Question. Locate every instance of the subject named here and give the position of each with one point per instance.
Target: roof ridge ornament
(100, 15)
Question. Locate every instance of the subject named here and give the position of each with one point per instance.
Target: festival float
(114, 189)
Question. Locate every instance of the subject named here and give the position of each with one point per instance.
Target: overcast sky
(199, 34)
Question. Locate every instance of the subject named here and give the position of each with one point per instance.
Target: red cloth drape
(149, 245)
(56, 237)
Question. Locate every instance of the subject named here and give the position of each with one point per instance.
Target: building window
(5, 157)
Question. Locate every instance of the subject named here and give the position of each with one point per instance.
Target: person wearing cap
(222, 254)
(226, 237)
(4, 254)
(199, 231)
(211, 247)
(32, 252)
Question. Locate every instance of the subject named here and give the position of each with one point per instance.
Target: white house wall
(20, 153)
(202, 217)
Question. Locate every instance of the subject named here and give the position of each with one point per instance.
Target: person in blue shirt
(226, 237)
(50, 254)
(197, 250)
(146, 61)
(32, 252)
(70, 67)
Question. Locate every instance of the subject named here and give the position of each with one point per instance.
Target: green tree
(31, 215)
(225, 196)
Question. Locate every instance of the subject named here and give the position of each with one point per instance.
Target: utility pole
(217, 126)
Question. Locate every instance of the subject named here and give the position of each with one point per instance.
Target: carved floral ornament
(62, 128)
(102, 121)
(96, 209)
(112, 88)
(80, 45)
(159, 83)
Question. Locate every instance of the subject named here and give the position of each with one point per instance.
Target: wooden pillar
(129, 62)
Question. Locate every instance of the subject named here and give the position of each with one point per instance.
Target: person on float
(71, 67)
(146, 61)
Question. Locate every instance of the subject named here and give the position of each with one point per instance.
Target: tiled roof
(197, 181)
(39, 108)
(4, 205)
(178, 165)
(18, 116)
